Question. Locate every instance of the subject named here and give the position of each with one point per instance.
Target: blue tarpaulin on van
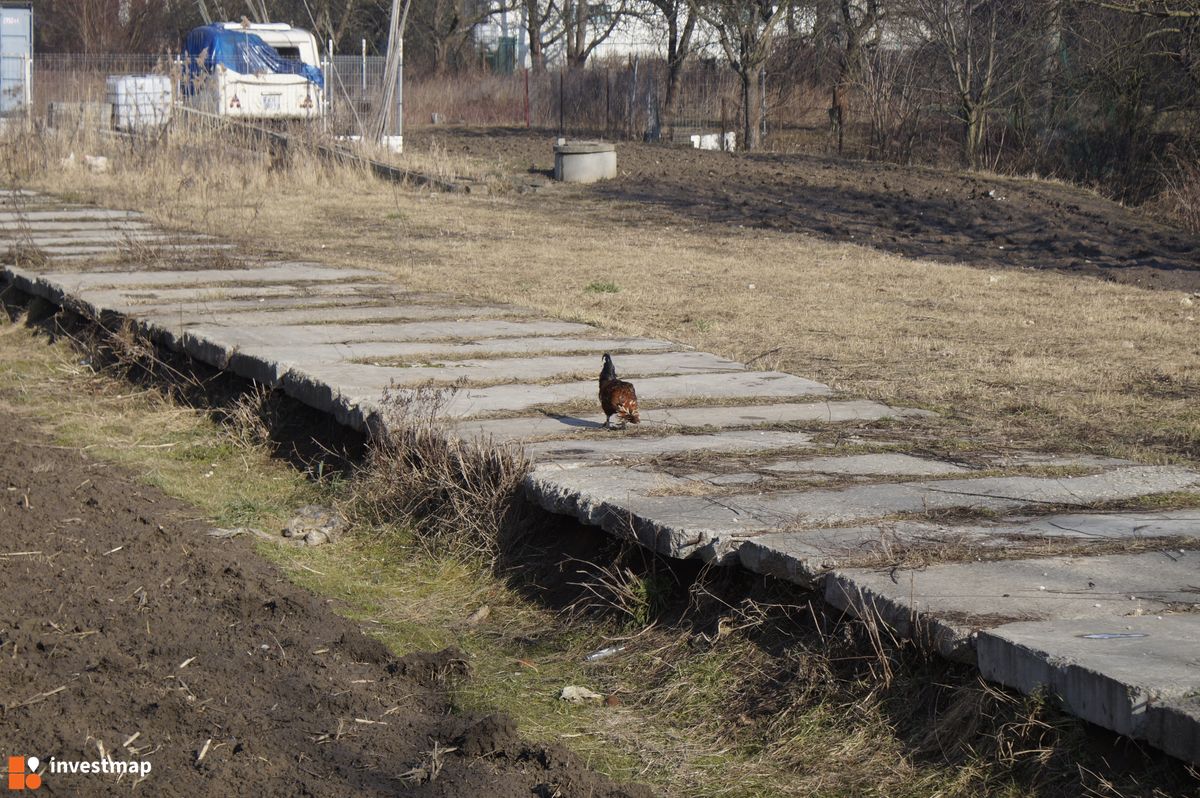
(243, 52)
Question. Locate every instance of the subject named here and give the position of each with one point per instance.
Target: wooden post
(561, 101)
(527, 125)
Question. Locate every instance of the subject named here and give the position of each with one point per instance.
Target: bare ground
(121, 617)
(971, 218)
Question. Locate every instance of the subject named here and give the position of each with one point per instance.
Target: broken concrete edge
(1131, 687)
(357, 413)
(1174, 727)
(616, 521)
(954, 641)
(1030, 669)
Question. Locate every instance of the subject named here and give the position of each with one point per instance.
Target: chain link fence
(616, 100)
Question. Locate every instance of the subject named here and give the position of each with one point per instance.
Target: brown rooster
(617, 397)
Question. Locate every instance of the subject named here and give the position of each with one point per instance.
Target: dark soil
(917, 212)
(111, 586)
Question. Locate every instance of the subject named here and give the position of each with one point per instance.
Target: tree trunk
(973, 130)
(679, 44)
(673, 76)
(533, 23)
(441, 56)
(751, 99)
(838, 112)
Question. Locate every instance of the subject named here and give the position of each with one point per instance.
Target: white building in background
(633, 36)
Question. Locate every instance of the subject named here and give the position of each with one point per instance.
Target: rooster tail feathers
(628, 410)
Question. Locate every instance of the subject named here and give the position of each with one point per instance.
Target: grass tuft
(598, 287)
(459, 497)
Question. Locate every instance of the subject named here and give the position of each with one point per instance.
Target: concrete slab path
(1022, 563)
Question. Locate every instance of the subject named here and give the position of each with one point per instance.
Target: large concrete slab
(649, 447)
(951, 602)
(210, 309)
(66, 214)
(806, 556)
(521, 428)
(257, 316)
(620, 498)
(878, 464)
(548, 367)
(1001, 494)
(269, 363)
(173, 246)
(86, 239)
(742, 385)
(42, 227)
(189, 296)
(230, 339)
(1138, 676)
(76, 282)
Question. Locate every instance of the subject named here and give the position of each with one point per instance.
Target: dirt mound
(129, 634)
(432, 669)
(490, 735)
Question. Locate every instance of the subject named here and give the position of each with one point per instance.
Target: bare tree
(890, 83)
(444, 27)
(856, 26)
(1178, 20)
(680, 18)
(104, 26)
(586, 25)
(985, 46)
(746, 30)
(538, 14)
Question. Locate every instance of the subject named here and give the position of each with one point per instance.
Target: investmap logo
(22, 770)
(22, 773)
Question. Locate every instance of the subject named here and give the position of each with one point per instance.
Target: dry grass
(460, 498)
(1179, 198)
(728, 685)
(1011, 358)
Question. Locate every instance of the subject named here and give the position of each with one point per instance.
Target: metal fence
(63, 79)
(619, 99)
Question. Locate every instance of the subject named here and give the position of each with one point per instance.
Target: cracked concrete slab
(519, 428)
(76, 282)
(258, 316)
(93, 239)
(67, 214)
(730, 518)
(547, 367)
(806, 556)
(648, 447)
(70, 252)
(740, 385)
(1138, 676)
(878, 464)
(101, 304)
(266, 359)
(51, 227)
(951, 602)
(229, 339)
